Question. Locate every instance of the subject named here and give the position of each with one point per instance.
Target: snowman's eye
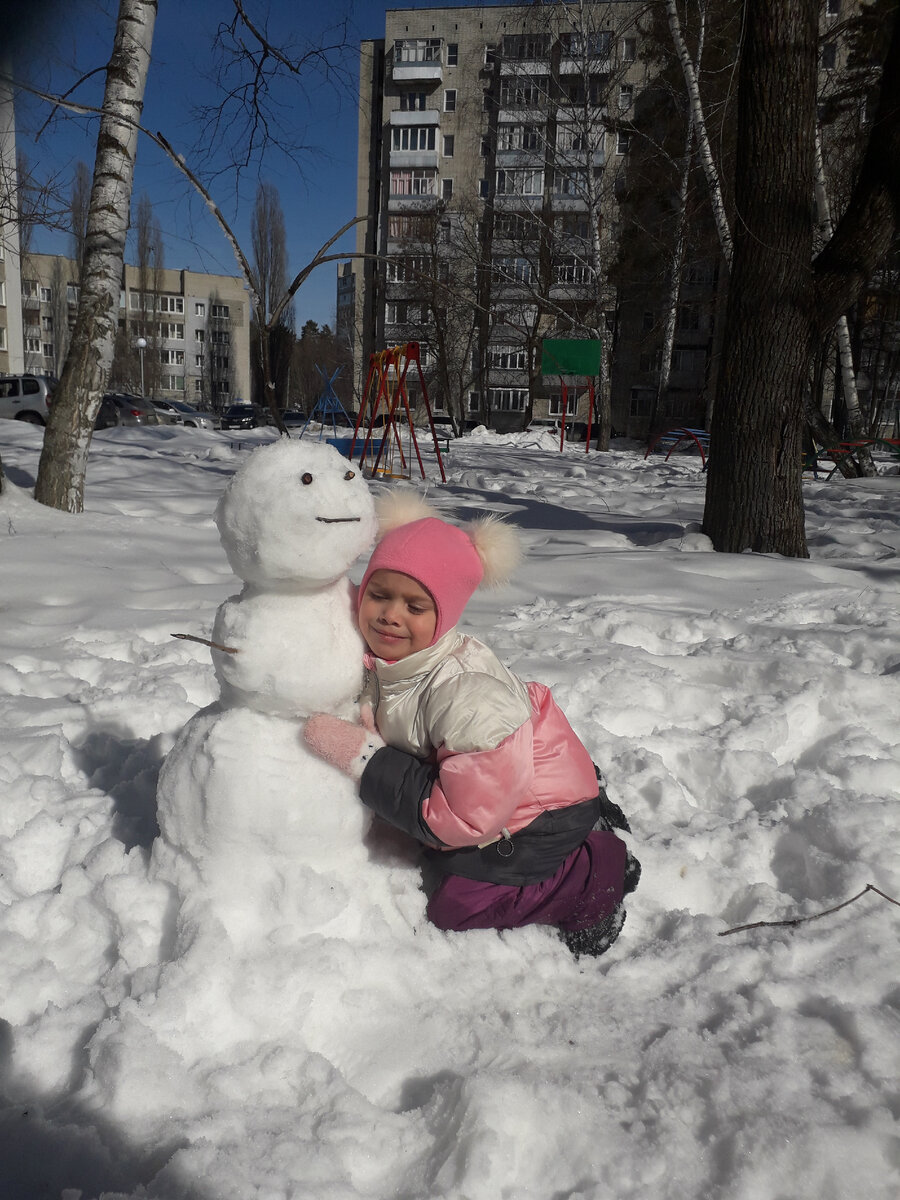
(306, 477)
(350, 475)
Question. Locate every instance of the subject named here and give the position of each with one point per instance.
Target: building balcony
(525, 66)
(511, 202)
(412, 72)
(520, 158)
(575, 66)
(428, 116)
(521, 116)
(414, 158)
(411, 204)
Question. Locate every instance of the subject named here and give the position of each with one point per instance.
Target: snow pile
(297, 1029)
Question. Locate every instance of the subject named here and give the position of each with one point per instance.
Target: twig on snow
(870, 887)
(190, 637)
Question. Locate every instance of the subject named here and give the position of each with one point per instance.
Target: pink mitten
(346, 746)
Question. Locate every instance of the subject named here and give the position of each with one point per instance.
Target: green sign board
(571, 356)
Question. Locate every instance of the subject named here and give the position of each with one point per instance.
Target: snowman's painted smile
(337, 520)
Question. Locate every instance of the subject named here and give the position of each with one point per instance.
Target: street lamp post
(141, 344)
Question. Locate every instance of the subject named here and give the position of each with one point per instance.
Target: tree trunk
(754, 487)
(77, 398)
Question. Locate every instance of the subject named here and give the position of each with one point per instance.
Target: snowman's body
(255, 829)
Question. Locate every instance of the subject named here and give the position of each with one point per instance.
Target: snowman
(257, 833)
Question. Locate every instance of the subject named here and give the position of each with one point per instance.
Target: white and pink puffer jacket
(505, 752)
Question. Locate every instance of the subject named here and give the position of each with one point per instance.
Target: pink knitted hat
(449, 562)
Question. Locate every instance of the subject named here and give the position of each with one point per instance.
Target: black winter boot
(632, 873)
(596, 939)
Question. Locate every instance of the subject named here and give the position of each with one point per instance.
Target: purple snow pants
(587, 886)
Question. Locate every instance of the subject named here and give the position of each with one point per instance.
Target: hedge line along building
(490, 167)
(196, 328)
(497, 147)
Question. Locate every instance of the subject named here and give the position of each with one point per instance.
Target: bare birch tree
(67, 438)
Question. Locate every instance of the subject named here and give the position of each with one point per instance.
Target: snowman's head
(295, 514)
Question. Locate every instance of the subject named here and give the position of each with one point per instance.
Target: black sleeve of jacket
(395, 785)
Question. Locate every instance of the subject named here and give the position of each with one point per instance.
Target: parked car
(26, 397)
(244, 416)
(118, 408)
(294, 420)
(193, 417)
(168, 414)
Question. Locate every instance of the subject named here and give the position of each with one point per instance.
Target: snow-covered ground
(746, 710)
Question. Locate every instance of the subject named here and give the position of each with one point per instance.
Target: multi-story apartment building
(493, 145)
(196, 329)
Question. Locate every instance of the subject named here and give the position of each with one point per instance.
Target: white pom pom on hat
(450, 562)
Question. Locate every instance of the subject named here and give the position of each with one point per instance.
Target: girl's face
(397, 616)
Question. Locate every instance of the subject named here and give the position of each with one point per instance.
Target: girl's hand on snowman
(346, 746)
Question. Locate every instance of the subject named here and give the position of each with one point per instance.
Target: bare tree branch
(870, 887)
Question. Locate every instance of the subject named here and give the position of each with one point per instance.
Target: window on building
(490, 55)
(220, 337)
(525, 91)
(222, 387)
(508, 399)
(522, 46)
(444, 231)
(641, 402)
(414, 181)
(452, 54)
(448, 145)
(413, 137)
(200, 309)
(511, 269)
(622, 140)
(408, 268)
(417, 50)
(2, 293)
(690, 359)
(172, 331)
(523, 181)
(47, 349)
(220, 362)
(829, 56)
(73, 291)
(485, 148)
(520, 137)
(30, 288)
(689, 316)
(450, 100)
(594, 44)
(508, 358)
(576, 224)
(626, 97)
(484, 188)
(555, 404)
(200, 335)
(412, 227)
(2, 337)
(446, 189)
(650, 360)
(629, 49)
(833, 8)
(571, 181)
(46, 295)
(221, 310)
(198, 361)
(571, 137)
(170, 304)
(172, 383)
(47, 324)
(172, 358)
(33, 345)
(571, 269)
(413, 101)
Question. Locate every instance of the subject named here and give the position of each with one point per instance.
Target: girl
(454, 750)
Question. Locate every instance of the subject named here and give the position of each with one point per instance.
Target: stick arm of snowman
(190, 637)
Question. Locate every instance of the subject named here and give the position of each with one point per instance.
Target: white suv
(26, 398)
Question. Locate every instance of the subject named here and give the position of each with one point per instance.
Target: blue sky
(60, 41)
